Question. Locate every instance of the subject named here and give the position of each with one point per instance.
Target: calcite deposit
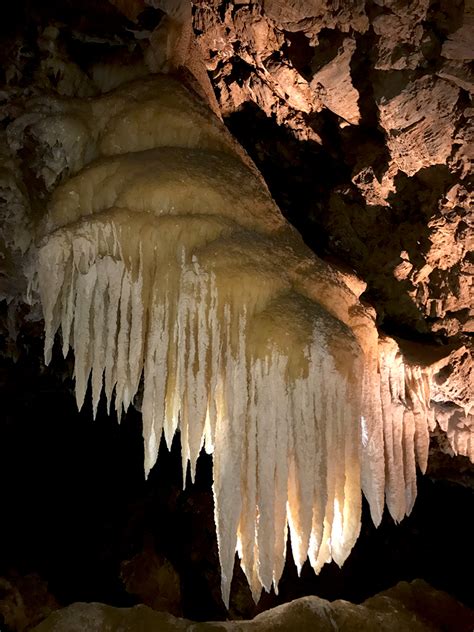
(356, 117)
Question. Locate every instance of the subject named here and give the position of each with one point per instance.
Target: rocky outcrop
(418, 122)
(416, 607)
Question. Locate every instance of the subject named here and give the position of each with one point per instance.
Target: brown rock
(311, 16)
(459, 45)
(419, 122)
(416, 607)
(24, 601)
(333, 86)
(453, 382)
(458, 73)
(154, 580)
(401, 33)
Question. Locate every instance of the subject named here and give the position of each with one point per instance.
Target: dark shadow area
(90, 32)
(329, 43)
(299, 174)
(107, 20)
(299, 52)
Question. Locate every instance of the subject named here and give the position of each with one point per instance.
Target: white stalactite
(173, 265)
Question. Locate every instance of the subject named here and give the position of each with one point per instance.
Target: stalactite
(164, 258)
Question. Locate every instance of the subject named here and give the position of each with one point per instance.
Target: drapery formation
(163, 258)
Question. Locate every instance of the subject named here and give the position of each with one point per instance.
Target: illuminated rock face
(163, 257)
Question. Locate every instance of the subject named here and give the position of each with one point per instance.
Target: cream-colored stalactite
(404, 393)
(164, 258)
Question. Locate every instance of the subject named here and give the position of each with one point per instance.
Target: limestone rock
(458, 45)
(419, 122)
(400, 31)
(394, 204)
(452, 399)
(314, 16)
(416, 607)
(96, 617)
(333, 84)
(458, 73)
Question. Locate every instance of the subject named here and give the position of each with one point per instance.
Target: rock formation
(416, 607)
(359, 117)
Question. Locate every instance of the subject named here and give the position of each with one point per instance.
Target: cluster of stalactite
(167, 267)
